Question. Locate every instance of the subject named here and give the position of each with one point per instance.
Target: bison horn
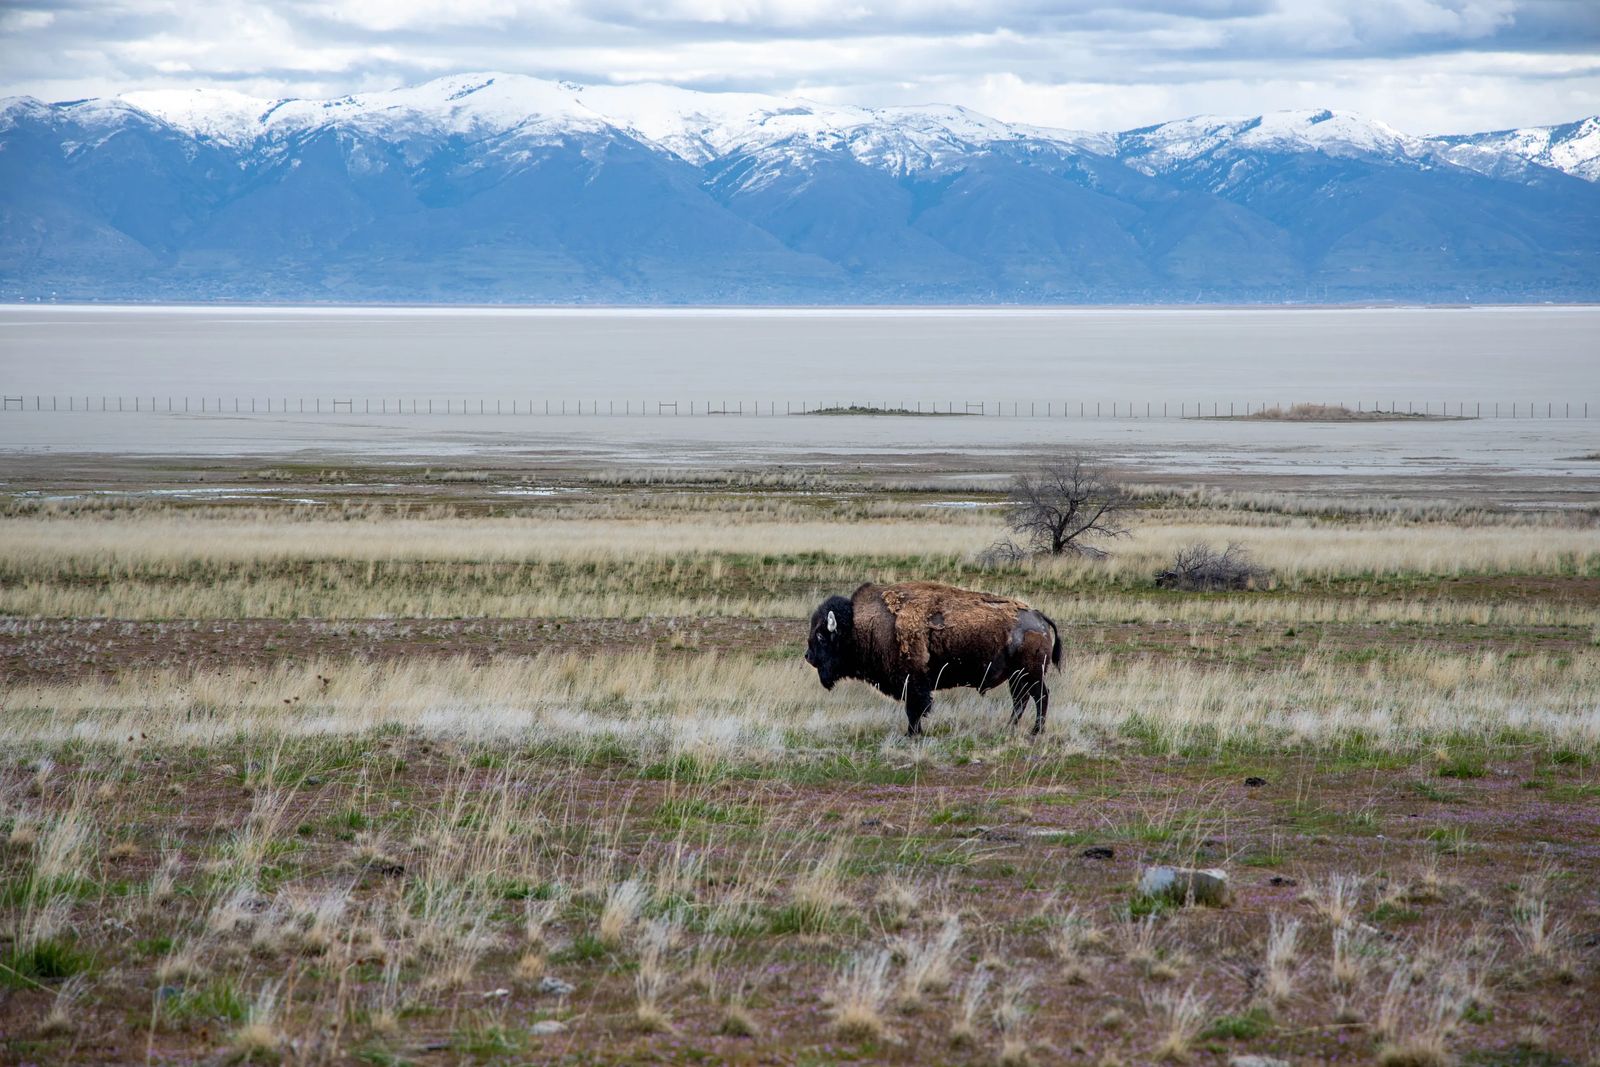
(833, 623)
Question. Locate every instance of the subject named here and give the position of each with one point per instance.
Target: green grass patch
(1430, 791)
(805, 917)
(1463, 765)
(1395, 913)
(585, 948)
(214, 1000)
(679, 812)
(1573, 792)
(1246, 1026)
(954, 816)
(49, 959)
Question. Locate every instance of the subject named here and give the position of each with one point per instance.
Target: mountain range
(498, 188)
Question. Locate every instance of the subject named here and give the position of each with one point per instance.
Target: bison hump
(922, 609)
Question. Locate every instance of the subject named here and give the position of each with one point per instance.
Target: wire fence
(1080, 409)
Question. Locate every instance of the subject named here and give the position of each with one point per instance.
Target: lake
(1130, 356)
(1044, 360)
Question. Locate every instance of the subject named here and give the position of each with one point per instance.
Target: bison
(912, 638)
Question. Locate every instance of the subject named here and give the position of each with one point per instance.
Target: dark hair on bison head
(830, 644)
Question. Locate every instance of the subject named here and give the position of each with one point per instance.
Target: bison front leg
(919, 701)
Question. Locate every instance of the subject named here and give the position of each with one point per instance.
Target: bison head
(828, 649)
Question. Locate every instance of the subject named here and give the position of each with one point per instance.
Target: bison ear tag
(833, 623)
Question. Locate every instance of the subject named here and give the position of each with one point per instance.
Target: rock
(546, 1027)
(1180, 884)
(1256, 1061)
(501, 992)
(1279, 879)
(998, 833)
(1253, 782)
(1098, 852)
(553, 986)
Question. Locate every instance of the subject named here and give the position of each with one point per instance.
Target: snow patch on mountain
(1573, 148)
(208, 114)
(1166, 147)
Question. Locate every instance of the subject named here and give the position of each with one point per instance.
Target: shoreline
(768, 309)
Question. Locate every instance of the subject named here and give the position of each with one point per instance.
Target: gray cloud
(1423, 65)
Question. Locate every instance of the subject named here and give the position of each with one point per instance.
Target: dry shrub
(1201, 568)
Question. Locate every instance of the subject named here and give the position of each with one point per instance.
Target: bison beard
(913, 638)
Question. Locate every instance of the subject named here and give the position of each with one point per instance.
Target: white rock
(1179, 884)
(548, 1026)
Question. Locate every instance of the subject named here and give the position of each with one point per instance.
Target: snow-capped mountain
(1572, 148)
(697, 127)
(505, 187)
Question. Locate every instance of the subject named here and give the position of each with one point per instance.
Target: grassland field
(315, 764)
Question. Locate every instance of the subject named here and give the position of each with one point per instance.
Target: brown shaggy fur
(930, 617)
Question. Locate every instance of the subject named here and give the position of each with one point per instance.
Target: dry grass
(1178, 1019)
(172, 567)
(859, 996)
(344, 860)
(1337, 898)
(508, 863)
(928, 963)
(621, 911)
(746, 708)
(974, 992)
(1011, 1018)
(1282, 939)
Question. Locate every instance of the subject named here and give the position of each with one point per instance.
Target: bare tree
(1057, 509)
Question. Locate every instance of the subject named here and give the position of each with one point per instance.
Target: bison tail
(1055, 634)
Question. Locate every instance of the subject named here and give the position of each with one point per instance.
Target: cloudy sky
(1425, 66)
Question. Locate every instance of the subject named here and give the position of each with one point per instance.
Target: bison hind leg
(1041, 705)
(1026, 686)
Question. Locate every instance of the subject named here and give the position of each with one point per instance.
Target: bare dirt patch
(55, 650)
